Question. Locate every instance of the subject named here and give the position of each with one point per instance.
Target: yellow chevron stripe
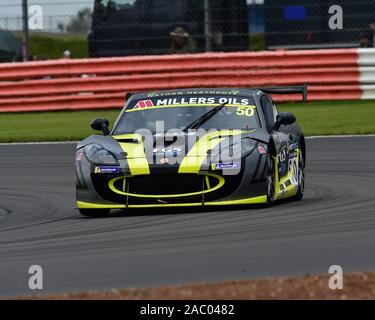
(198, 154)
(136, 157)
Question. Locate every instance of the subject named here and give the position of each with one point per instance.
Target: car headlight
(96, 154)
(235, 151)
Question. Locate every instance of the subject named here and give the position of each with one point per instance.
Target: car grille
(165, 186)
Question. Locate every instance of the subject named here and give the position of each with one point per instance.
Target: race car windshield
(146, 115)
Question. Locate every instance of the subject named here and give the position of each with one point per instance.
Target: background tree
(81, 23)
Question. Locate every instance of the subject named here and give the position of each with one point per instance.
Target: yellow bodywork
(282, 190)
(254, 200)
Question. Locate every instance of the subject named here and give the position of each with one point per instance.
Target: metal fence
(318, 23)
(99, 28)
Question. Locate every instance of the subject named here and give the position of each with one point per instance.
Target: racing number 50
(245, 111)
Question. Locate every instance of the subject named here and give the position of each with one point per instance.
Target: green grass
(50, 126)
(334, 117)
(51, 45)
(317, 118)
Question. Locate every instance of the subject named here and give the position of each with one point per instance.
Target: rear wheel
(270, 180)
(94, 213)
(301, 179)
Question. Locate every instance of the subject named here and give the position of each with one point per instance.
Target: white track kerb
(366, 63)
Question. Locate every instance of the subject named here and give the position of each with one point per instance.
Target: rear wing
(270, 90)
(287, 90)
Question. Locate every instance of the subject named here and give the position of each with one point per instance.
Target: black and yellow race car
(193, 147)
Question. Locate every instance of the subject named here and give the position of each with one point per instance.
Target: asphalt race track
(334, 224)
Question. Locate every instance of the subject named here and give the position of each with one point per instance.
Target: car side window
(275, 111)
(269, 111)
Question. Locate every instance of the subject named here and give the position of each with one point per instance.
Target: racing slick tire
(301, 179)
(270, 180)
(94, 213)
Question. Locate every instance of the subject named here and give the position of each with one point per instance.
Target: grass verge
(52, 45)
(315, 118)
(334, 117)
(309, 287)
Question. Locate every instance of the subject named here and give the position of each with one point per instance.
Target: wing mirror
(101, 125)
(285, 118)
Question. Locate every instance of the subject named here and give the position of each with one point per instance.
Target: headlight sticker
(79, 156)
(103, 169)
(227, 165)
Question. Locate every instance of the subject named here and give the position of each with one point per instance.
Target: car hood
(132, 146)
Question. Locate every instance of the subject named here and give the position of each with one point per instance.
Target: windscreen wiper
(205, 117)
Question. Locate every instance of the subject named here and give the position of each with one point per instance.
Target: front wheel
(94, 213)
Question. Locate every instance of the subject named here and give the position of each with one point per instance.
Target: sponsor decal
(144, 104)
(164, 160)
(282, 155)
(193, 92)
(168, 152)
(262, 150)
(227, 165)
(197, 101)
(201, 100)
(79, 156)
(107, 170)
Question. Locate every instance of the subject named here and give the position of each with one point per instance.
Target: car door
(284, 138)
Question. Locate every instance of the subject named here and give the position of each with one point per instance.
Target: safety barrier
(366, 62)
(103, 83)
